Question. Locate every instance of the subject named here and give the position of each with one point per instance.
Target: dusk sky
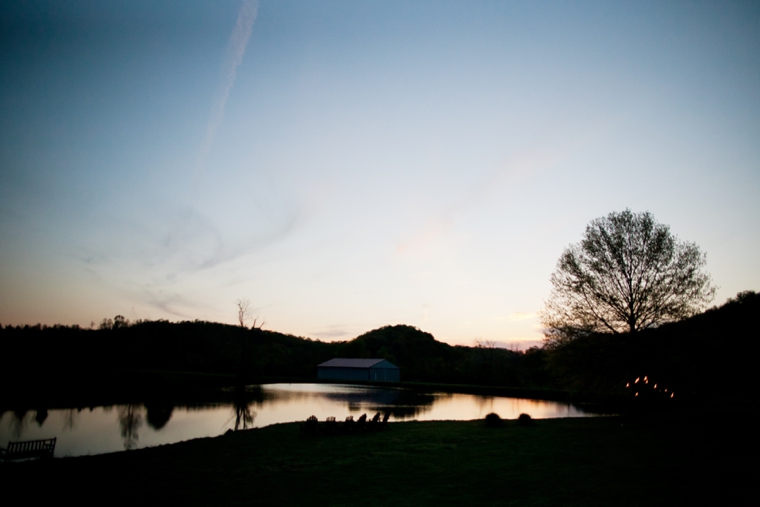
(347, 165)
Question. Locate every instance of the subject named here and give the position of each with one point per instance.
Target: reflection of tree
(483, 401)
(68, 422)
(158, 415)
(402, 412)
(410, 404)
(243, 415)
(130, 420)
(18, 422)
(40, 416)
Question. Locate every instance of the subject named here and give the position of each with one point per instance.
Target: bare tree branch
(244, 310)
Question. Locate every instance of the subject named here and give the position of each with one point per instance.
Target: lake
(97, 430)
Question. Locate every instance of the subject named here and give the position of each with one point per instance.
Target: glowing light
(627, 384)
(637, 380)
(655, 386)
(638, 394)
(646, 378)
(671, 394)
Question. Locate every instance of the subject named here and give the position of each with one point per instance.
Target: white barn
(378, 370)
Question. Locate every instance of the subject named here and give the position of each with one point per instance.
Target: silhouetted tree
(628, 273)
(488, 350)
(119, 322)
(244, 314)
(244, 310)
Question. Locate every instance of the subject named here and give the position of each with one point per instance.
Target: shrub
(493, 420)
(524, 420)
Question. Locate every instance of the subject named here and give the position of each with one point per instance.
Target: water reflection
(69, 419)
(401, 403)
(97, 431)
(130, 420)
(40, 416)
(241, 405)
(157, 414)
(17, 422)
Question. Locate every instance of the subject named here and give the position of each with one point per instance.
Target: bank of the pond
(591, 461)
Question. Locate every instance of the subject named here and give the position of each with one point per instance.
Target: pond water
(102, 429)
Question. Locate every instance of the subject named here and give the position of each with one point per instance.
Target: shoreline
(571, 461)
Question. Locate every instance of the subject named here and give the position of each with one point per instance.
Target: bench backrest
(30, 448)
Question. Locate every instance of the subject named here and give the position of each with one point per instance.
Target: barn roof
(357, 363)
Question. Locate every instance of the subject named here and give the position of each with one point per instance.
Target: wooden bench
(29, 449)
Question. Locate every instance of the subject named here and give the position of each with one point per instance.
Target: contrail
(235, 50)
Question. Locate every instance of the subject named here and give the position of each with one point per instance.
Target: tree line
(708, 354)
(254, 354)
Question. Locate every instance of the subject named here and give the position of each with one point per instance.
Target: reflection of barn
(359, 369)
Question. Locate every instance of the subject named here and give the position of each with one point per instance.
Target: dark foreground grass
(596, 461)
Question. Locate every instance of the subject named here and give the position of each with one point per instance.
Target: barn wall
(343, 373)
(385, 374)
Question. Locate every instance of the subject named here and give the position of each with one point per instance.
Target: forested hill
(258, 354)
(711, 354)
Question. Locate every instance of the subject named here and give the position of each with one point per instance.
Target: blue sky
(347, 165)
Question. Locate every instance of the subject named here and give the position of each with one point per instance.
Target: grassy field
(706, 460)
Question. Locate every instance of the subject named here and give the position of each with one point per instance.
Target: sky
(348, 165)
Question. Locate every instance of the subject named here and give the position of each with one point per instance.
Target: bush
(524, 420)
(493, 420)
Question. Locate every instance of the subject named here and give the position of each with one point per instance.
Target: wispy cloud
(235, 51)
(511, 171)
(172, 303)
(334, 331)
(518, 316)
